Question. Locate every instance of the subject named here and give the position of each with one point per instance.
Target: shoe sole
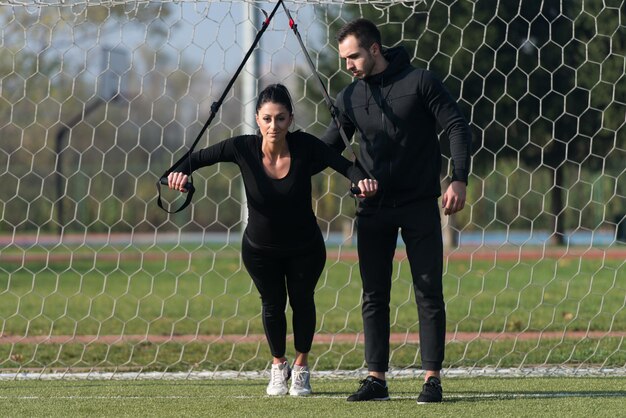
(368, 400)
(300, 393)
(276, 394)
(428, 403)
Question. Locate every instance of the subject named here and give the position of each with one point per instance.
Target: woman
(282, 247)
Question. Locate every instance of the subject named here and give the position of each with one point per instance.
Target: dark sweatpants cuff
(432, 366)
(377, 367)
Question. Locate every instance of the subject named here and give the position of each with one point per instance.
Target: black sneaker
(431, 391)
(371, 389)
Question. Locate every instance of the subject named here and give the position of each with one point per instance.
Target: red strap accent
(291, 23)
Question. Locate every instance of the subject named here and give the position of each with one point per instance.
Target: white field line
(448, 396)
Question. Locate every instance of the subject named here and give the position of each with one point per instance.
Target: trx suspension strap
(214, 109)
(331, 107)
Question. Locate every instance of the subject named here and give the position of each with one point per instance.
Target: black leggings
(277, 274)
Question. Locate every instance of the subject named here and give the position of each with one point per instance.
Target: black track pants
(377, 230)
(277, 274)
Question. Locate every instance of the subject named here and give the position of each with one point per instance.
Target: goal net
(98, 98)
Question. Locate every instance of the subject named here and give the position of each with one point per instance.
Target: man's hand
(453, 199)
(368, 187)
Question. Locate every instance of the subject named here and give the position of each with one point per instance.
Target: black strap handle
(190, 191)
(214, 109)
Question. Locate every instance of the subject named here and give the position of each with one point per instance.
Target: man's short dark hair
(365, 32)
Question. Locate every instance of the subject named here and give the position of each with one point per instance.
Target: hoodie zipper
(383, 122)
(383, 104)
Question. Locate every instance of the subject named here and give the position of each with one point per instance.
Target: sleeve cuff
(459, 175)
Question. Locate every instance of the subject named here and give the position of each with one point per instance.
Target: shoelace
(300, 376)
(278, 377)
(365, 384)
(432, 385)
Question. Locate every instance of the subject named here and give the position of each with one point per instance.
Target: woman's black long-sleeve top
(280, 212)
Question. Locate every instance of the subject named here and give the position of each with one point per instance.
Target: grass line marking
(448, 396)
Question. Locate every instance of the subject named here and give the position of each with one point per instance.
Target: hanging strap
(334, 112)
(214, 109)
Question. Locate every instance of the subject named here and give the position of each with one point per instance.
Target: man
(396, 108)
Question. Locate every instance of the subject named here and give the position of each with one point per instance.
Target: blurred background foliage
(542, 85)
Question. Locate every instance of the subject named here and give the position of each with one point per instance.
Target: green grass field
(467, 397)
(153, 291)
(97, 291)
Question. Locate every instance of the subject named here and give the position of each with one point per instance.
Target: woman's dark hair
(365, 32)
(275, 93)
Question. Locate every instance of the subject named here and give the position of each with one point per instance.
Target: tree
(48, 81)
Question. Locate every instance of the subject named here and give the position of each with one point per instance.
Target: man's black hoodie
(396, 113)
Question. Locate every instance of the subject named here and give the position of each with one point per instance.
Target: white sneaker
(279, 375)
(301, 382)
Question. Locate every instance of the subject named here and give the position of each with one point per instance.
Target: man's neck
(380, 66)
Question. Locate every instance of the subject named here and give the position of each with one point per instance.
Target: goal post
(98, 98)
